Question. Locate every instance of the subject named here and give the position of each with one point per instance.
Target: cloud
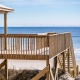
(37, 2)
(27, 1)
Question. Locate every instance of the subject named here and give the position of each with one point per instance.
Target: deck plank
(24, 57)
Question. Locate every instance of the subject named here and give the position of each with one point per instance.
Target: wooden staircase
(68, 63)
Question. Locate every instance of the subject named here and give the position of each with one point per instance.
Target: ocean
(75, 31)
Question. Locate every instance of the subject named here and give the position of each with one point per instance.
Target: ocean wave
(77, 54)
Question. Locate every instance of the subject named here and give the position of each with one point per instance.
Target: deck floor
(24, 56)
(40, 54)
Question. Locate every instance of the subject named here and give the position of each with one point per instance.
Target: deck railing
(33, 44)
(24, 44)
(58, 43)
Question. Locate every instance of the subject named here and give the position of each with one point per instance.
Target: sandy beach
(30, 64)
(27, 64)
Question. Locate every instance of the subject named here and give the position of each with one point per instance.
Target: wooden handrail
(42, 73)
(1, 77)
(73, 56)
(58, 43)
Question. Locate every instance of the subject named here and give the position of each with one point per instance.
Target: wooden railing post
(47, 74)
(73, 73)
(73, 55)
(63, 61)
(6, 69)
(68, 61)
(5, 30)
(77, 70)
(56, 67)
(55, 62)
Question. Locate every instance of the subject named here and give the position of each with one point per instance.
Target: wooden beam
(39, 75)
(56, 68)
(6, 9)
(2, 64)
(73, 75)
(5, 30)
(47, 74)
(55, 62)
(6, 69)
(77, 70)
(1, 77)
(51, 73)
(63, 61)
(2, 12)
(68, 61)
(23, 57)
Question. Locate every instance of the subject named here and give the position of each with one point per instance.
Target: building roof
(5, 9)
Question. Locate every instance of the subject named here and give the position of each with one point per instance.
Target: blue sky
(42, 12)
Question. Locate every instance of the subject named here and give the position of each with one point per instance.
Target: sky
(42, 13)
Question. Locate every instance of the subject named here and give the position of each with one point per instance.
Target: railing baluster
(43, 47)
(11, 46)
(16, 44)
(31, 44)
(21, 45)
(1, 45)
(36, 46)
(13, 43)
(28, 43)
(26, 46)
(39, 46)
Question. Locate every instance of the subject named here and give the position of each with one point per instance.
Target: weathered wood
(68, 61)
(2, 12)
(2, 64)
(5, 9)
(1, 77)
(56, 67)
(55, 62)
(73, 56)
(63, 61)
(51, 73)
(5, 30)
(47, 74)
(73, 74)
(24, 57)
(6, 69)
(58, 43)
(51, 33)
(77, 70)
(43, 72)
(41, 42)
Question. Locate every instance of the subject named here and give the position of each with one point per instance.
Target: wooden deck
(40, 47)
